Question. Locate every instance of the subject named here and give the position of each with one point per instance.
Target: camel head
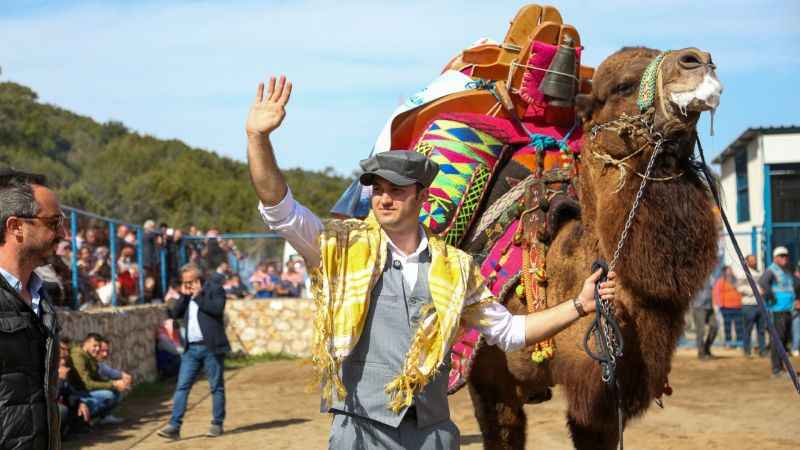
(641, 100)
(670, 89)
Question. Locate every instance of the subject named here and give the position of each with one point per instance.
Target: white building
(760, 177)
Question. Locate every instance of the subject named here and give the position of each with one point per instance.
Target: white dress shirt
(34, 288)
(298, 225)
(193, 332)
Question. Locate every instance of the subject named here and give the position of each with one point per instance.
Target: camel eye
(690, 61)
(624, 89)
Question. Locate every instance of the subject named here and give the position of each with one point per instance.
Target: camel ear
(584, 106)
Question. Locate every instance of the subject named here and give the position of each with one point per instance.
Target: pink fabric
(461, 359)
(509, 132)
(502, 129)
(541, 57)
(504, 261)
(458, 158)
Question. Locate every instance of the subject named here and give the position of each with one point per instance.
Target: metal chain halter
(608, 335)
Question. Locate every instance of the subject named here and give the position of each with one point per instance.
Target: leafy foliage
(110, 170)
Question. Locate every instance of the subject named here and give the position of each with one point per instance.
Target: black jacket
(211, 316)
(29, 416)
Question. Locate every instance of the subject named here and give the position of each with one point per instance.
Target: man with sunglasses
(202, 306)
(31, 225)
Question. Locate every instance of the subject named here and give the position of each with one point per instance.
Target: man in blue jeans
(202, 307)
(753, 316)
(780, 293)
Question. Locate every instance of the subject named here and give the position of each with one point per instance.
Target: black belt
(198, 343)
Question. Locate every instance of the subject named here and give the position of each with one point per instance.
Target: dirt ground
(727, 403)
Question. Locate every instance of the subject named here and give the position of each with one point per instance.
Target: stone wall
(270, 326)
(254, 327)
(131, 330)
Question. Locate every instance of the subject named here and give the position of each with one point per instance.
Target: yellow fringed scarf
(353, 254)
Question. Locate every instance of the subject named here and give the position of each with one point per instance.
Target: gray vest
(380, 352)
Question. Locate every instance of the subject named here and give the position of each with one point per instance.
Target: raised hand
(268, 110)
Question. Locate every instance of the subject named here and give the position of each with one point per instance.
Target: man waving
(390, 296)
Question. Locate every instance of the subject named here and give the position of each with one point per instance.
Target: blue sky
(188, 69)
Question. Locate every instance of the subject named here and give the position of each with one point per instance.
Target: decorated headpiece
(647, 87)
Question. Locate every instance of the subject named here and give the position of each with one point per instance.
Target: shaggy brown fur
(669, 253)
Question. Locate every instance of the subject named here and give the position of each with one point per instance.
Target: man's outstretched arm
(265, 116)
(511, 332)
(281, 213)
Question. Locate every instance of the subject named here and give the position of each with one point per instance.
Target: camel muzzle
(704, 97)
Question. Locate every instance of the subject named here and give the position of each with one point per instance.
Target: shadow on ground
(144, 409)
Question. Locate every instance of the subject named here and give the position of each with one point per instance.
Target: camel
(670, 250)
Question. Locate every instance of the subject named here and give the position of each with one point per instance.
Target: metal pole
(73, 259)
(163, 261)
(235, 265)
(767, 216)
(754, 243)
(140, 258)
(182, 253)
(112, 244)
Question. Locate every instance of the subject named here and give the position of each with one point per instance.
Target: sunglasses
(189, 283)
(55, 222)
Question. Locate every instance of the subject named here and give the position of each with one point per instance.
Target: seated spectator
(85, 260)
(292, 281)
(150, 290)
(261, 282)
(101, 270)
(72, 403)
(129, 284)
(103, 395)
(92, 239)
(260, 290)
(220, 275)
(169, 348)
(104, 369)
(130, 238)
(127, 258)
(122, 232)
(234, 288)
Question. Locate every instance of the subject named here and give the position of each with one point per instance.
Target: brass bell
(560, 83)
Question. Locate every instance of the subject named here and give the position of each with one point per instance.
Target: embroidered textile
(466, 158)
(353, 254)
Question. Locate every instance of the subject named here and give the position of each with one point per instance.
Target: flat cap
(400, 167)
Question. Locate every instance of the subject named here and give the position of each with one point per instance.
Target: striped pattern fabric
(466, 158)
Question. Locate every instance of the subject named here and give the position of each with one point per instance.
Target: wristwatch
(579, 307)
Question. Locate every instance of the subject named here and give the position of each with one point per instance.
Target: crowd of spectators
(217, 257)
(728, 299)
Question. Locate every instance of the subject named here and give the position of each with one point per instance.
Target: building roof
(750, 134)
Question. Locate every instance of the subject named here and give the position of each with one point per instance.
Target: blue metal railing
(112, 240)
(75, 213)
